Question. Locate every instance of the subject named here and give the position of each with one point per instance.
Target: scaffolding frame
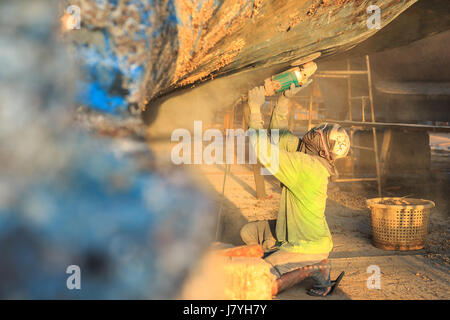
(380, 164)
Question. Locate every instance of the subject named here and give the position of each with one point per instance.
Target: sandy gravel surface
(422, 274)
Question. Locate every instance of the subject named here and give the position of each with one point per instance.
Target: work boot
(318, 272)
(322, 281)
(323, 285)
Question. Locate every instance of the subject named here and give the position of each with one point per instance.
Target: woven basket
(399, 223)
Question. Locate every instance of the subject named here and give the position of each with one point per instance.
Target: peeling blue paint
(93, 96)
(110, 78)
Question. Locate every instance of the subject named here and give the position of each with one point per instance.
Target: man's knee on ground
(249, 233)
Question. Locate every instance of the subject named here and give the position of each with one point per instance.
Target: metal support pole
(343, 73)
(355, 179)
(363, 109)
(219, 214)
(385, 150)
(311, 99)
(374, 131)
(350, 114)
(259, 179)
(349, 94)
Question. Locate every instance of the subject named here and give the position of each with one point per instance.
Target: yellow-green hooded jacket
(301, 226)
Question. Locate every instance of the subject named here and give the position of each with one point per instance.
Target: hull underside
(156, 47)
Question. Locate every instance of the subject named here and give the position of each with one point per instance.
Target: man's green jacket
(301, 226)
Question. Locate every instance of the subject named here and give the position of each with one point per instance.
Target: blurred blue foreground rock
(66, 198)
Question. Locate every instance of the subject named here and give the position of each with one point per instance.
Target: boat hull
(156, 47)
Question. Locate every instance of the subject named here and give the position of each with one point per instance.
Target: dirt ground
(421, 274)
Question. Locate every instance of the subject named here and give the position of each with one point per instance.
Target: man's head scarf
(328, 141)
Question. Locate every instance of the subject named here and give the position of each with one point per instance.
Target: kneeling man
(299, 241)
